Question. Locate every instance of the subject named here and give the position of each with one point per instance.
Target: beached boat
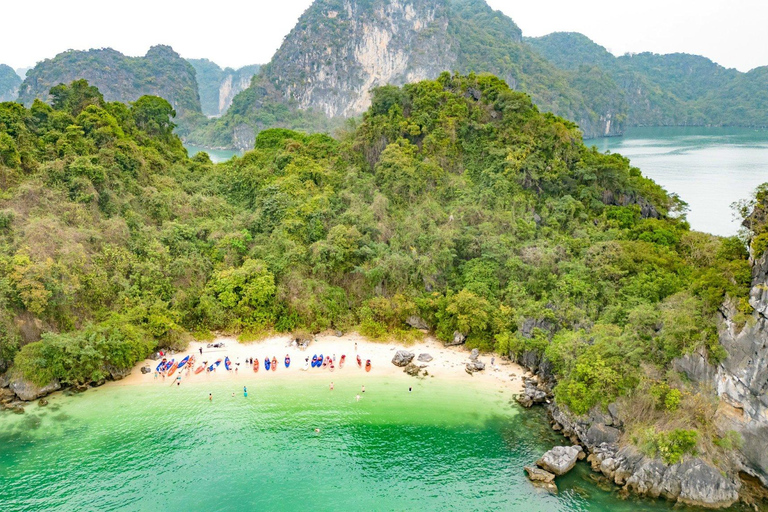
(161, 366)
(314, 360)
(274, 363)
(359, 362)
(214, 365)
(200, 368)
(172, 369)
(330, 365)
(320, 361)
(255, 365)
(287, 361)
(368, 365)
(341, 361)
(266, 363)
(182, 363)
(168, 365)
(325, 362)
(227, 364)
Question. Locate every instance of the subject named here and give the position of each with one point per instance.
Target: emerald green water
(709, 168)
(156, 447)
(216, 155)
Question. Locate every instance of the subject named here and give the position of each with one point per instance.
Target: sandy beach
(448, 363)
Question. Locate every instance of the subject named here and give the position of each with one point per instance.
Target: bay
(709, 168)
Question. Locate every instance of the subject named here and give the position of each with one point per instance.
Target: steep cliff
(161, 72)
(9, 83)
(341, 49)
(218, 86)
(741, 379)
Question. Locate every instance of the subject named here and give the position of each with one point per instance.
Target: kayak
(320, 361)
(325, 362)
(314, 360)
(255, 365)
(214, 365)
(359, 362)
(168, 365)
(274, 363)
(173, 369)
(227, 364)
(330, 365)
(200, 369)
(341, 361)
(266, 363)
(182, 363)
(161, 366)
(287, 361)
(368, 365)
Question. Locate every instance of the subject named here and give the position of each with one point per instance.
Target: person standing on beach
(355, 347)
(201, 350)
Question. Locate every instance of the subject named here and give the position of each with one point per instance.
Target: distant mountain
(161, 72)
(22, 72)
(218, 86)
(674, 89)
(340, 49)
(9, 83)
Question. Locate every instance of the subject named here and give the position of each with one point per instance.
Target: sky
(240, 32)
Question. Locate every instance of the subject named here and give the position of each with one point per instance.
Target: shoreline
(448, 363)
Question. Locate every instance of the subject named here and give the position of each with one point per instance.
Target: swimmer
(210, 397)
(331, 387)
(357, 398)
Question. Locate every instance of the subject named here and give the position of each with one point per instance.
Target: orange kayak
(274, 364)
(200, 369)
(173, 369)
(368, 365)
(255, 365)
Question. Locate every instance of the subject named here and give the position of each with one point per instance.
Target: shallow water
(709, 168)
(156, 447)
(216, 155)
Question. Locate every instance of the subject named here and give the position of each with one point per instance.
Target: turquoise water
(709, 168)
(217, 155)
(156, 447)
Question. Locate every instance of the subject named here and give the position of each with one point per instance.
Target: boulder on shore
(474, 354)
(475, 366)
(541, 478)
(412, 370)
(424, 358)
(417, 322)
(458, 339)
(402, 358)
(560, 459)
(29, 391)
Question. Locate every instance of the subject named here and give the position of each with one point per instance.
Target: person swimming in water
(210, 397)
(245, 392)
(331, 387)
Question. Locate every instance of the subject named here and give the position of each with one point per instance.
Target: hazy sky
(239, 32)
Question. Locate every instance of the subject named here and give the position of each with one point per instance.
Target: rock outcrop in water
(560, 459)
(29, 391)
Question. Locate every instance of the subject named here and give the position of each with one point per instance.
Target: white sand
(448, 363)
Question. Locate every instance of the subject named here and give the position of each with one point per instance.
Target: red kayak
(201, 368)
(359, 362)
(368, 365)
(255, 365)
(341, 361)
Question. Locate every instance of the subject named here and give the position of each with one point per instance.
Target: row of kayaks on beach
(328, 362)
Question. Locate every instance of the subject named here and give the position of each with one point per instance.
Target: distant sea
(709, 168)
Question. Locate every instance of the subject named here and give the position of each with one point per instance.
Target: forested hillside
(454, 200)
(338, 51)
(161, 72)
(666, 90)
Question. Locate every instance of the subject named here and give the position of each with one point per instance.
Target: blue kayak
(161, 366)
(314, 360)
(227, 364)
(319, 361)
(214, 365)
(168, 365)
(287, 361)
(183, 362)
(267, 364)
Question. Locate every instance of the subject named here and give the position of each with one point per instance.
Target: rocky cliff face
(341, 49)
(741, 380)
(218, 86)
(161, 72)
(9, 83)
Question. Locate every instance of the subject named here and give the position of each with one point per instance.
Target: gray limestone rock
(402, 358)
(28, 391)
(560, 459)
(424, 358)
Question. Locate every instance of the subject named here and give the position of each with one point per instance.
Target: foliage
(671, 445)
(455, 200)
